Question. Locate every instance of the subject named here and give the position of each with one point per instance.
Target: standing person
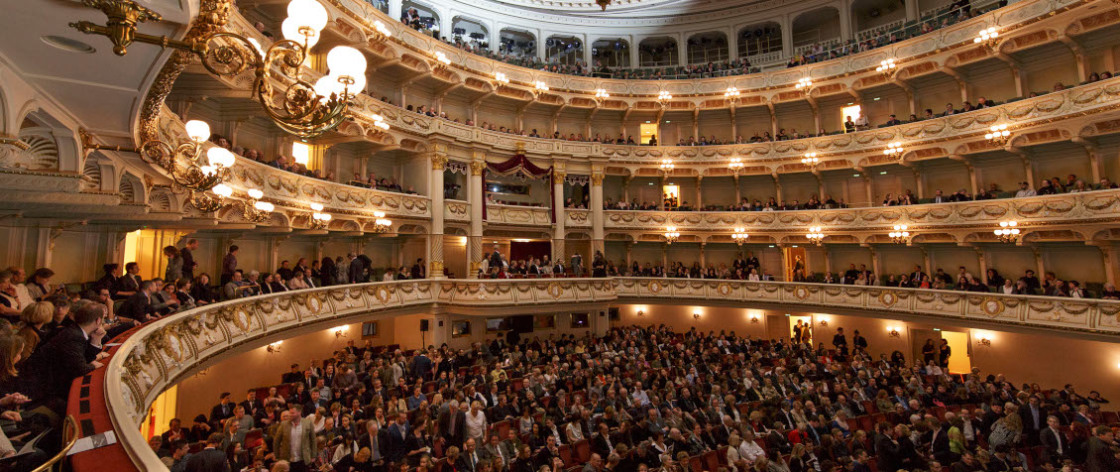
(417, 269)
(229, 264)
(209, 459)
(1101, 456)
(187, 253)
(946, 352)
(859, 343)
(840, 342)
(295, 440)
(174, 270)
(577, 265)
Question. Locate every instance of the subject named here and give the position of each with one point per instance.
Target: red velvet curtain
(519, 164)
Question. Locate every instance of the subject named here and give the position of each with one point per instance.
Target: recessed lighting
(883, 172)
(647, 122)
(851, 103)
(876, 99)
(773, 246)
(937, 329)
(667, 121)
(855, 175)
(67, 44)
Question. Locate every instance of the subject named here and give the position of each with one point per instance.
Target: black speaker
(424, 326)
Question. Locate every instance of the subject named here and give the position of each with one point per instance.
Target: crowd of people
(641, 399)
(568, 60)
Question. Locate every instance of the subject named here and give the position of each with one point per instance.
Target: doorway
(960, 362)
(648, 130)
(670, 196)
(794, 261)
(846, 112)
(806, 323)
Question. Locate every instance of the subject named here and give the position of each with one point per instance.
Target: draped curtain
(519, 164)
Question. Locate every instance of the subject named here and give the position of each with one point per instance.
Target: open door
(649, 130)
(806, 324)
(960, 362)
(796, 268)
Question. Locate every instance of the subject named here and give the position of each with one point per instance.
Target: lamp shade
(291, 30)
(355, 88)
(222, 190)
(328, 85)
(220, 157)
(308, 13)
(345, 60)
(198, 130)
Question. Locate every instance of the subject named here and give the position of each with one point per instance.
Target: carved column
(867, 189)
(558, 230)
(972, 180)
(912, 10)
(703, 262)
(475, 191)
(777, 187)
(1111, 258)
(699, 194)
(876, 266)
(1028, 169)
(787, 36)
(738, 191)
(982, 258)
(1038, 262)
(827, 260)
(629, 253)
(927, 262)
(921, 189)
(435, 238)
(597, 216)
(665, 256)
(626, 188)
(846, 33)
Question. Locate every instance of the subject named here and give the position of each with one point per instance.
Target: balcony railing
(162, 353)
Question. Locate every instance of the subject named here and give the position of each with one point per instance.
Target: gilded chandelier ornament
(296, 106)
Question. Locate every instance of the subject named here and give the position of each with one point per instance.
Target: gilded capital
(439, 161)
(558, 176)
(597, 179)
(477, 167)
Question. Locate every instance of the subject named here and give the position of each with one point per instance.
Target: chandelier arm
(229, 54)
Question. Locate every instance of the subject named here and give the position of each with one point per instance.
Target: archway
(707, 47)
(563, 49)
(759, 39)
(469, 32)
(517, 43)
(818, 27)
(611, 52)
(658, 52)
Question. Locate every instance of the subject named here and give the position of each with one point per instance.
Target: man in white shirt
(750, 450)
(1025, 190)
(19, 277)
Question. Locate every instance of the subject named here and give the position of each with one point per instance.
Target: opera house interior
(560, 235)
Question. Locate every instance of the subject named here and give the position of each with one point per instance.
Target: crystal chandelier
(998, 134)
(893, 149)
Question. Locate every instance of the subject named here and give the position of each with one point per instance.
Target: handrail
(70, 437)
(163, 352)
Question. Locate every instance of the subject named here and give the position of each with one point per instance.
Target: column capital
(558, 176)
(596, 179)
(478, 155)
(439, 160)
(477, 167)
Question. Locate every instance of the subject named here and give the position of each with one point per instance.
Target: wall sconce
(274, 347)
(340, 331)
(824, 322)
(641, 313)
(984, 341)
(894, 332)
(255, 210)
(754, 319)
(442, 58)
(696, 316)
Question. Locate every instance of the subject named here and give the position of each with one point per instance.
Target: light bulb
(198, 130)
(292, 31)
(357, 85)
(317, 206)
(255, 194)
(308, 13)
(220, 157)
(345, 60)
(264, 206)
(328, 85)
(222, 190)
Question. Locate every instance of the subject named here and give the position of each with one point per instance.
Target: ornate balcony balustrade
(166, 351)
(518, 215)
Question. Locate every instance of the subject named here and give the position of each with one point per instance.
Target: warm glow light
(345, 60)
(541, 86)
(441, 57)
(600, 93)
(664, 95)
(222, 190)
(736, 163)
(220, 157)
(885, 65)
(986, 34)
(317, 206)
(501, 77)
(301, 152)
(264, 206)
(803, 83)
(198, 130)
(732, 92)
(667, 165)
(381, 28)
(255, 194)
(810, 159)
(893, 149)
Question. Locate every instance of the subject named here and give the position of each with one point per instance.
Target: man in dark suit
(422, 366)
(840, 342)
(128, 284)
(453, 424)
(1101, 457)
(139, 305)
(887, 448)
(1055, 446)
(209, 459)
(859, 464)
(71, 353)
(398, 435)
(224, 408)
(293, 376)
(939, 444)
(1033, 417)
(493, 449)
(251, 404)
(601, 443)
(377, 440)
(187, 253)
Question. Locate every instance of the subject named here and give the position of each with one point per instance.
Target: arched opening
(658, 52)
(707, 47)
(469, 33)
(870, 18)
(420, 17)
(816, 31)
(517, 43)
(759, 39)
(611, 52)
(563, 50)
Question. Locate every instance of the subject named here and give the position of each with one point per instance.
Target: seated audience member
(139, 306)
(72, 353)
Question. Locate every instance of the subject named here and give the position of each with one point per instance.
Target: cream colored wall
(1021, 357)
(718, 191)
